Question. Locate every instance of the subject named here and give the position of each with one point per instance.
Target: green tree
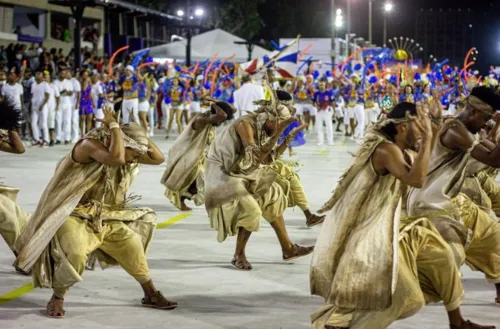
(241, 18)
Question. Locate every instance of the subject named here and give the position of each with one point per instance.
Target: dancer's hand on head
(109, 116)
(219, 115)
(423, 121)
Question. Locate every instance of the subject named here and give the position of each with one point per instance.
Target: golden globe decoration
(401, 55)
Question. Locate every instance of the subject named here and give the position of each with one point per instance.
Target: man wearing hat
(459, 152)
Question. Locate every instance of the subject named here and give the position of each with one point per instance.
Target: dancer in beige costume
(12, 217)
(459, 153)
(84, 214)
(184, 175)
(240, 185)
(371, 268)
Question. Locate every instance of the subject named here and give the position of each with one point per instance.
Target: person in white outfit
(324, 101)
(130, 103)
(246, 95)
(75, 102)
(53, 106)
(12, 92)
(40, 94)
(359, 115)
(98, 98)
(64, 115)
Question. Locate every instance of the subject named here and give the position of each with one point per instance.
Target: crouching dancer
(240, 185)
(83, 212)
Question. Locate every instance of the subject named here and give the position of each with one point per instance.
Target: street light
(388, 7)
(198, 12)
(180, 13)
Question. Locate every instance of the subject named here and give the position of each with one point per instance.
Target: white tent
(206, 45)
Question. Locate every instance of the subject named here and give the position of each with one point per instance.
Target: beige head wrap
(478, 104)
(135, 138)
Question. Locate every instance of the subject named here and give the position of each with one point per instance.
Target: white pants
(130, 105)
(63, 119)
(309, 108)
(359, 114)
(75, 124)
(144, 106)
(98, 114)
(371, 115)
(39, 120)
(348, 115)
(195, 107)
(325, 116)
(51, 119)
(165, 111)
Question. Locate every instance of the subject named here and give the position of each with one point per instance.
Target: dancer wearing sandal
(371, 269)
(458, 152)
(83, 215)
(12, 217)
(184, 175)
(240, 185)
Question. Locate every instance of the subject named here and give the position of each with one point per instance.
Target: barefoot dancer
(183, 177)
(12, 217)
(84, 211)
(370, 269)
(240, 189)
(459, 152)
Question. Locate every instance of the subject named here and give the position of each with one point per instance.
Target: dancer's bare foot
(296, 252)
(184, 207)
(314, 220)
(55, 308)
(470, 325)
(241, 263)
(158, 301)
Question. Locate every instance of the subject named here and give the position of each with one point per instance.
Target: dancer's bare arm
(153, 157)
(202, 120)
(245, 131)
(282, 148)
(459, 138)
(92, 150)
(13, 145)
(389, 159)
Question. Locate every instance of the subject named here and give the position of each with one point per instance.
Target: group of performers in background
(419, 200)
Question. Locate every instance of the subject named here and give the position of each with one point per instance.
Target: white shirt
(61, 86)
(38, 91)
(54, 92)
(246, 95)
(76, 89)
(97, 90)
(13, 94)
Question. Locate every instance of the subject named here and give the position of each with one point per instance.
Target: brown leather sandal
(241, 265)
(51, 309)
(299, 252)
(314, 220)
(158, 301)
